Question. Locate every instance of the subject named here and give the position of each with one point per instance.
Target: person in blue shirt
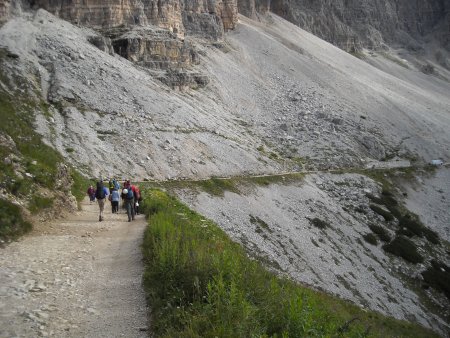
(115, 197)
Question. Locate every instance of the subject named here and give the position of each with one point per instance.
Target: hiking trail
(75, 277)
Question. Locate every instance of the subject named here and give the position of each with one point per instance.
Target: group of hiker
(131, 197)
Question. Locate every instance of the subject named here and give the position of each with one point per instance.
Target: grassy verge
(12, 225)
(201, 284)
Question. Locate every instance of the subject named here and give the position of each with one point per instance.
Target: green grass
(201, 284)
(79, 186)
(12, 224)
(404, 248)
(39, 203)
(217, 186)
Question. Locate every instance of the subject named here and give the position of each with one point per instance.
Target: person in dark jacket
(101, 194)
(91, 193)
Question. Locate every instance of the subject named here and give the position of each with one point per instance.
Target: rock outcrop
(199, 17)
(156, 49)
(4, 10)
(352, 24)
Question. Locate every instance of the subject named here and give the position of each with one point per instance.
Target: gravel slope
(75, 278)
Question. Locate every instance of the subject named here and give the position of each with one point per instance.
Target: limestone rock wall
(5, 10)
(157, 49)
(351, 24)
(208, 18)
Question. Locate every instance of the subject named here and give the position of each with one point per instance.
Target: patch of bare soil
(75, 277)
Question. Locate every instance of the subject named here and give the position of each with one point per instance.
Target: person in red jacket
(137, 198)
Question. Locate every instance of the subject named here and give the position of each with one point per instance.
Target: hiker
(114, 198)
(91, 193)
(128, 197)
(137, 199)
(116, 184)
(111, 185)
(101, 194)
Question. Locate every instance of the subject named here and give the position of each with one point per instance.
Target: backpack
(130, 194)
(100, 192)
(137, 194)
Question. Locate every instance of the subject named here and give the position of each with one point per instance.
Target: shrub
(381, 232)
(410, 225)
(318, 223)
(404, 248)
(380, 211)
(12, 223)
(438, 277)
(371, 239)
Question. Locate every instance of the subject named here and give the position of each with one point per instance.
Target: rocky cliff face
(198, 17)
(352, 24)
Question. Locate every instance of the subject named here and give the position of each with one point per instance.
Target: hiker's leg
(132, 208)
(101, 205)
(128, 206)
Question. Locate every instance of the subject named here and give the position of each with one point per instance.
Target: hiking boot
(99, 218)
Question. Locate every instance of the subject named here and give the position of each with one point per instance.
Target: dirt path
(75, 277)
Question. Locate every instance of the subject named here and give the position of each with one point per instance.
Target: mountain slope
(296, 99)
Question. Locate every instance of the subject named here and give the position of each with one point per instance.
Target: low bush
(404, 248)
(318, 223)
(410, 225)
(382, 233)
(438, 277)
(371, 239)
(12, 223)
(380, 211)
(79, 186)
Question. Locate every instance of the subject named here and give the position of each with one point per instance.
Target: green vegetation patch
(438, 277)
(380, 211)
(201, 284)
(382, 233)
(404, 248)
(371, 239)
(318, 223)
(218, 186)
(79, 186)
(38, 203)
(410, 225)
(12, 224)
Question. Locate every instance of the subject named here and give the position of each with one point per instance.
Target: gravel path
(75, 277)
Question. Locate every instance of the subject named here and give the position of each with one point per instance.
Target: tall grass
(201, 284)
